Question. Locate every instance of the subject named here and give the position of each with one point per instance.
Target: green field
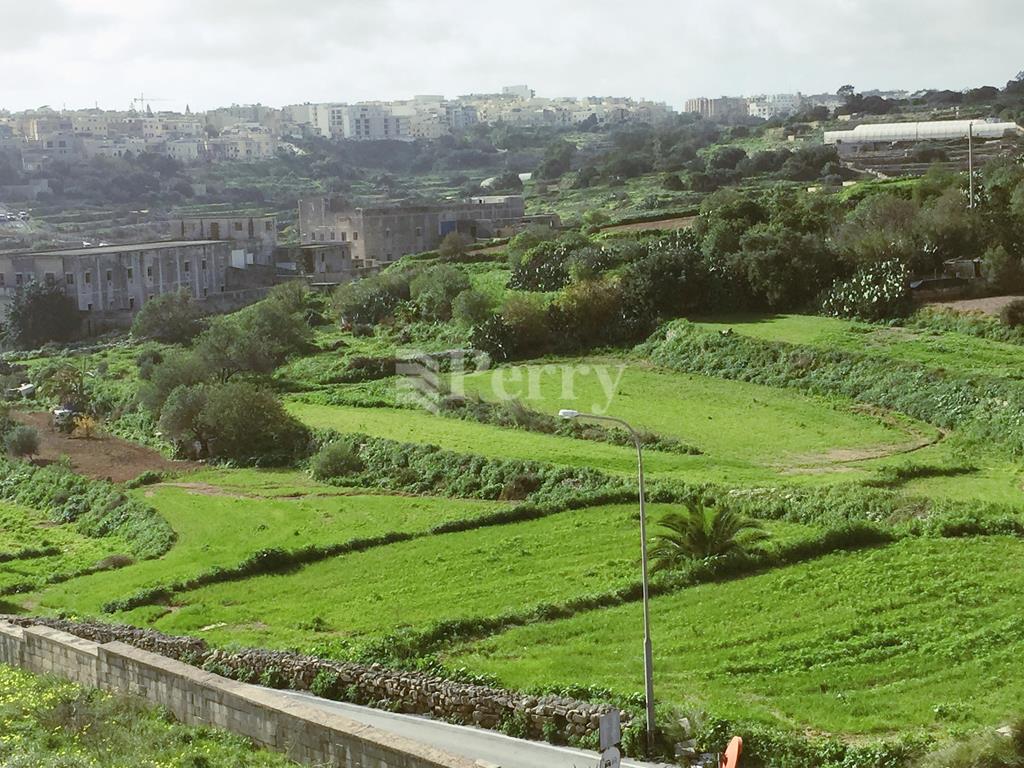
(220, 525)
(23, 529)
(941, 351)
(920, 634)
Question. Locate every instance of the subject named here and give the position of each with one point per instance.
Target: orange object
(731, 758)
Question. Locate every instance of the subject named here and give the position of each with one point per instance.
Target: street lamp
(567, 413)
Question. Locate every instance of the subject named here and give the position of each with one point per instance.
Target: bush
(173, 318)
(1012, 315)
(22, 441)
(39, 314)
(472, 307)
(877, 292)
(434, 289)
(337, 459)
(371, 299)
(236, 422)
(453, 246)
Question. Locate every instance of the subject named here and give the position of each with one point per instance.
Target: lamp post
(566, 413)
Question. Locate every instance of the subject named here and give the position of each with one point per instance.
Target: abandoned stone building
(385, 234)
(109, 284)
(253, 238)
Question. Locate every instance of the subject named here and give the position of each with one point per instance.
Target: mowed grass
(922, 634)
(220, 525)
(22, 528)
(956, 352)
(472, 574)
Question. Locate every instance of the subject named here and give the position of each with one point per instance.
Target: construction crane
(142, 101)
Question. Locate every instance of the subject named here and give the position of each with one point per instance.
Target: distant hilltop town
(254, 132)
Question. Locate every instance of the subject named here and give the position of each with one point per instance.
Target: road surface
(474, 743)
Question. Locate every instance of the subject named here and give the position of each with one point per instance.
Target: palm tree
(700, 533)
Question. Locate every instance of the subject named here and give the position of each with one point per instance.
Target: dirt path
(992, 305)
(103, 457)
(680, 222)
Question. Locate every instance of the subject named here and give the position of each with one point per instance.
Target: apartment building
(385, 234)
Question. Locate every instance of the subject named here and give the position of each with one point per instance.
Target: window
(355, 235)
(344, 236)
(51, 279)
(203, 265)
(89, 306)
(321, 237)
(188, 267)
(332, 236)
(151, 297)
(149, 272)
(88, 278)
(18, 278)
(323, 257)
(204, 293)
(387, 233)
(131, 274)
(131, 302)
(110, 275)
(419, 231)
(3, 279)
(270, 226)
(69, 278)
(238, 226)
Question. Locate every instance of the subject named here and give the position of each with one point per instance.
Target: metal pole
(648, 652)
(970, 161)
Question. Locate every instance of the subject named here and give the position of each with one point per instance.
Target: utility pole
(970, 161)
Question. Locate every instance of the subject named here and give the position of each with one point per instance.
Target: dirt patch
(679, 222)
(993, 305)
(103, 457)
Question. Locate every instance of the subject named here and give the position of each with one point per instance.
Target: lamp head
(568, 413)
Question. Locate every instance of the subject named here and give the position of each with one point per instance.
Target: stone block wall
(196, 697)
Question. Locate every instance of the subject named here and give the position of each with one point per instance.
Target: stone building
(253, 238)
(385, 234)
(121, 278)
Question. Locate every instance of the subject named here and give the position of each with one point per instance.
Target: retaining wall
(196, 697)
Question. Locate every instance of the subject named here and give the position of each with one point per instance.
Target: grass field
(477, 573)
(220, 525)
(942, 351)
(921, 634)
(24, 529)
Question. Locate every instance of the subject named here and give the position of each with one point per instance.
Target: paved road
(473, 743)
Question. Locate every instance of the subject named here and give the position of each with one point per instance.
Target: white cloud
(210, 52)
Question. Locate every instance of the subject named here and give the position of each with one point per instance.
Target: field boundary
(271, 719)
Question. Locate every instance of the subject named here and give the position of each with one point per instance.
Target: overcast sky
(208, 53)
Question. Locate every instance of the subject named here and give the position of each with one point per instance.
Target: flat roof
(127, 248)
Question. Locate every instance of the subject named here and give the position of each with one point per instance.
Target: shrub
(39, 314)
(453, 245)
(337, 459)
(22, 441)
(1012, 315)
(876, 292)
(434, 288)
(472, 307)
(173, 318)
(371, 299)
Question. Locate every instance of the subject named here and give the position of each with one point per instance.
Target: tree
(453, 246)
(701, 533)
(39, 314)
(435, 287)
(472, 307)
(784, 268)
(22, 441)
(672, 183)
(236, 421)
(173, 318)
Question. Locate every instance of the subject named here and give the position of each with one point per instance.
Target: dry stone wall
(397, 690)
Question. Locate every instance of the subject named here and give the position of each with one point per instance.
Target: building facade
(119, 279)
(253, 238)
(385, 234)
